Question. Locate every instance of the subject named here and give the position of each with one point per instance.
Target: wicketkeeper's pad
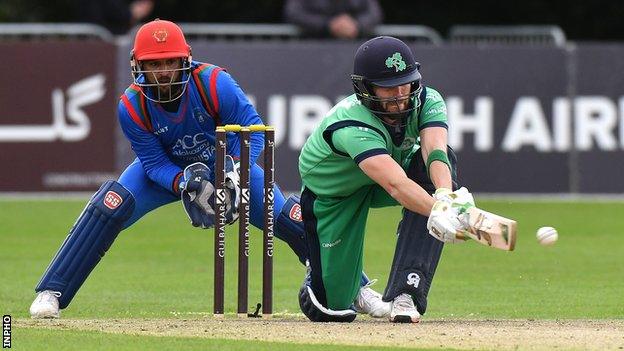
(88, 240)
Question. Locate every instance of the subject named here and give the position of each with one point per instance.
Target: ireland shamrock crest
(396, 61)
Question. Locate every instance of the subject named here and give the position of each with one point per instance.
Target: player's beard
(394, 107)
(167, 88)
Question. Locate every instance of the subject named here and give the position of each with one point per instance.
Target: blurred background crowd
(526, 83)
(580, 20)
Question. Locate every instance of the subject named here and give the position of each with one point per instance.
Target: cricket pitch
(442, 333)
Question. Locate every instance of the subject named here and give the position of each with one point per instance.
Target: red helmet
(160, 39)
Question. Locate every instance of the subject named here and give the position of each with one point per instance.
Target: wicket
(243, 219)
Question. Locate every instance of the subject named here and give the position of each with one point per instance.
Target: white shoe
(369, 301)
(46, 305)
(403, 310)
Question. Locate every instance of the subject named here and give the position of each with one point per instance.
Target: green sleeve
(381, 198)
(434, 111)
(359, 142)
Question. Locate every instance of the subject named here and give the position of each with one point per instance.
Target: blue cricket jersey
(166, 142)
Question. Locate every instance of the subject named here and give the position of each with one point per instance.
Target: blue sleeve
(235, 108)
(148, 149)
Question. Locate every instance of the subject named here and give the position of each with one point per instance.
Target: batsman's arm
(434, 140)
(389, 175)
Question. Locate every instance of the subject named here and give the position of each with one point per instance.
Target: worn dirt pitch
(459, 334)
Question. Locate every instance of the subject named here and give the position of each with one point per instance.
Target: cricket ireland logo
(396, 61)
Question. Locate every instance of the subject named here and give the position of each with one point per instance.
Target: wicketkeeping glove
(198, 195)
(232, 187)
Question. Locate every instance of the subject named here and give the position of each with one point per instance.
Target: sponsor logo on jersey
(436, 110)
(161, 130)
(295, 213)
(189, 142)
(112, 200)
(193, 148)
(332, 244)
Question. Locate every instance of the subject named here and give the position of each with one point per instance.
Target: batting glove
(446, 222)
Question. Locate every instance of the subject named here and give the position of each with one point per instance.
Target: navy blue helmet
(386, 62)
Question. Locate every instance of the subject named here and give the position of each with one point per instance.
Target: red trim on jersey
(176, 183)
(213, 87)
(135, 88)
(200, 88)
(148, 120)
(133, 114)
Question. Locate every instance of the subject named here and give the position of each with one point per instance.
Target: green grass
(162, 268)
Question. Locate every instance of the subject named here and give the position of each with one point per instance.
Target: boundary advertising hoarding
(57, 115)
(522, 119)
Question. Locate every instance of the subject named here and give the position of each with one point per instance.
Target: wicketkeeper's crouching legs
(417, 253)
(114, 207)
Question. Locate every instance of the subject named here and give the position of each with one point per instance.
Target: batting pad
(417, 253)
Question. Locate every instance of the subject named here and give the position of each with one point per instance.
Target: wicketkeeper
(382, 146)
(169, 115)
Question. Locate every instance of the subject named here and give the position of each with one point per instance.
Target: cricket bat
(490, 229)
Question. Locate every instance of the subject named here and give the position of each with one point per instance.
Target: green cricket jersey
(350, 130)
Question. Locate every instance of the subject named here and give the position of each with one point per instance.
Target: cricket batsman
(382, 146)
(169, 114)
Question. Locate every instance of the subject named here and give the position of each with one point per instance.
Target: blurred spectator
(343, 19)
(118, 16)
